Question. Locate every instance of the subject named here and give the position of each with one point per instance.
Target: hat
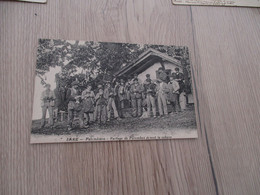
(74, 83)
(161, 68)
(100, 86)
(147, 75)
(176, 69)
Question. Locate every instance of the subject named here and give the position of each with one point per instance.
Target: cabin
(148, 63)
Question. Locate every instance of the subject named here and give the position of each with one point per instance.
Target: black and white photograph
(103, 91)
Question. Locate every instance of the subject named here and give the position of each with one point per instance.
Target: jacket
(136, 91)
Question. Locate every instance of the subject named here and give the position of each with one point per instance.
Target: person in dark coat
(173, 93)
(121, 94)
(179, 77)
(73, 100)
(136, 98)
(88, 101)
(150, 91)
(101, 104)
(111, 106)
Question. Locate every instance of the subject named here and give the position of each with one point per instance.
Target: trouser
(162, 104)
(175, 104)
(178, 99)
(95, 113)
(182, 101)
(122, 104)
(111, 105)
(101, 113)
(44, 110)
(137, 107)
(81, 118)
(150, 101)
(117, 103)
(70, 116)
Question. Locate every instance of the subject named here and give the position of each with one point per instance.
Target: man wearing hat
(150, 90)
(162, 91)
(47, 103)
(179, 77)
(136, 97)
(72, 99)
(101, 105)
(109, 96)
(127, 91)
(173, 94)
(100, 86)
(121, 94)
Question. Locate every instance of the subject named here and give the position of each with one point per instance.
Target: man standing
(101, 104)
(162, 92)
(88, 101)
(127, 91)
(116, 98)
(136, 97)
(179, 77)
(47, 102)
(121, 94)
(109, 96)
(173, 94)
(150, 89)
(73, 100)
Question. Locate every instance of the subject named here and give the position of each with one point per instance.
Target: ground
(181, 120)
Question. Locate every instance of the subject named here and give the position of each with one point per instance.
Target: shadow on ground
(181, 120)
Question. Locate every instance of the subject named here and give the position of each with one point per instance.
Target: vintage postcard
(34, 1)
(98, 91)
(241, 3)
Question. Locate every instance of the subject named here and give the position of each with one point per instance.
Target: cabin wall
(171, 66)
(152, 70)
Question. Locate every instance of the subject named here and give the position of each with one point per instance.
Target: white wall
(152, 70)
(171, 66)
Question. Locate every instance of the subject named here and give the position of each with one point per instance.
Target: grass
(181, 120)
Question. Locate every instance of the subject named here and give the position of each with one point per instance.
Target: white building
(148, 63)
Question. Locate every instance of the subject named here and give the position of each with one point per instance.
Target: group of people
(110, 98)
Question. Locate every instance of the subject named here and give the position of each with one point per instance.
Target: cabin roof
(144, 61)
